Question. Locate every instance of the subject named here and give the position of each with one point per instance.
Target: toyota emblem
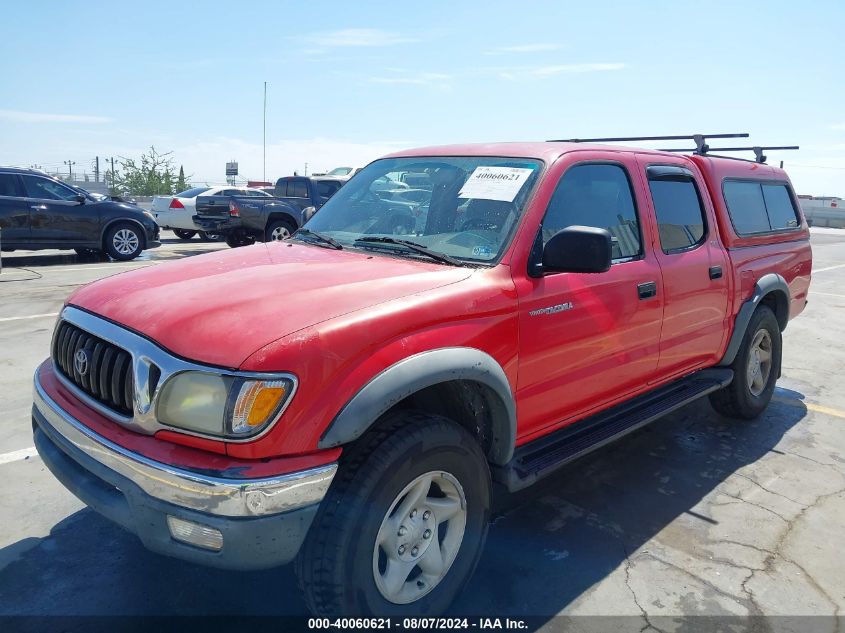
(80, 362)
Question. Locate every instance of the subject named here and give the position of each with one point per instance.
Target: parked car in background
(342, 172)
(38, 212)
(176, 212)
(244, 219)
(303, 191)
(99, 197)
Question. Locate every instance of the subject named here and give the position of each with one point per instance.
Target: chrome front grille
(99, 368)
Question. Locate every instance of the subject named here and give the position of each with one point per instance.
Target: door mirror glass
(578, 249)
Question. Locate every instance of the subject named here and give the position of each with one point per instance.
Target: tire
(235, 240)
(123, 241)
(184, 234)
(279, 230)
(749, 393)
(341, 564)
(88, 253)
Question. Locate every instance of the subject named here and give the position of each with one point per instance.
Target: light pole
(70, 164)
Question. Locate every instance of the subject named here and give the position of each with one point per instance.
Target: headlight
(221, 405)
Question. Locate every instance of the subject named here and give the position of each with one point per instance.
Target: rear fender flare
(766, 285)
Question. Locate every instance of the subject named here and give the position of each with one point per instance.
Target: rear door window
(297, 189)
(327, 188)
(677, 203)
(598, 195)
(779, 206)
(9, 185)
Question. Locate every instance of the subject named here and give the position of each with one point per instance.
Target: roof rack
(759, 156)
(701, 147)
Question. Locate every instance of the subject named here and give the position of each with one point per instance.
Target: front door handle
(647, 290)
(715, 272)
(39, 207)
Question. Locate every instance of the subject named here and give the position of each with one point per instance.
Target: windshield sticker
(495, 183)
(482, 251)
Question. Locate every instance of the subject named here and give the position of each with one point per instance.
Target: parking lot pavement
(693, 515)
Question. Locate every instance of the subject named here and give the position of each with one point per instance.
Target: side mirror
(80, 198)
(578, 249)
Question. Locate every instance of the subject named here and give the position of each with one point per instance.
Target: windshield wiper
(325, 239)
(412, 246)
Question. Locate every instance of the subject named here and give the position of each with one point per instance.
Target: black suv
(38, 211)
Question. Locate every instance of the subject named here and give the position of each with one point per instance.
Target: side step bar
(543, 456)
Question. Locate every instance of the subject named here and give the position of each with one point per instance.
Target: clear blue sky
(350, 81)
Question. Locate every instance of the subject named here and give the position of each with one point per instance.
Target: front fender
(417, 372)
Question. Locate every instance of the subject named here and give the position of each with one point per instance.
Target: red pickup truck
(346, 398)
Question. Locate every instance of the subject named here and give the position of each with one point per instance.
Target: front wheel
(184, 234)
(756, 368)
(404, 523)
(124, 241)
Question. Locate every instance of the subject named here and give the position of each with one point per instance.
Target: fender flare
(417, 372)
(767, 284)
(283, 210)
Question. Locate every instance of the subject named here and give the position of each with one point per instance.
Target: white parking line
(821, 270)
(16, 456)
(29, 316)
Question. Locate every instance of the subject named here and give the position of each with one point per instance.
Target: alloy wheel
(125, 241)
(279, 233)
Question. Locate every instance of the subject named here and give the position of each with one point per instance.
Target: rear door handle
(38, 207)
(715, 272)
(647, 290)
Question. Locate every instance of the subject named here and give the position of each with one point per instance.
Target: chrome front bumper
(239, 498)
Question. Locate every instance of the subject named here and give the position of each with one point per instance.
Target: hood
(221, 307)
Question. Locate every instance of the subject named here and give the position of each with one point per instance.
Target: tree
(153, 174)
(181, 182)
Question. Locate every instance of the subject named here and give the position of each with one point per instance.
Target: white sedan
(176, 212)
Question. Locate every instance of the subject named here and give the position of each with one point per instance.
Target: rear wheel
(210, 237)
(756, 368)
(279, 230)
(124, 241)
(184, 234)
(404, 523)
(234, 240)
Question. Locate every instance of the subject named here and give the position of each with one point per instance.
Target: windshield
(463, 207)
(192, 193)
